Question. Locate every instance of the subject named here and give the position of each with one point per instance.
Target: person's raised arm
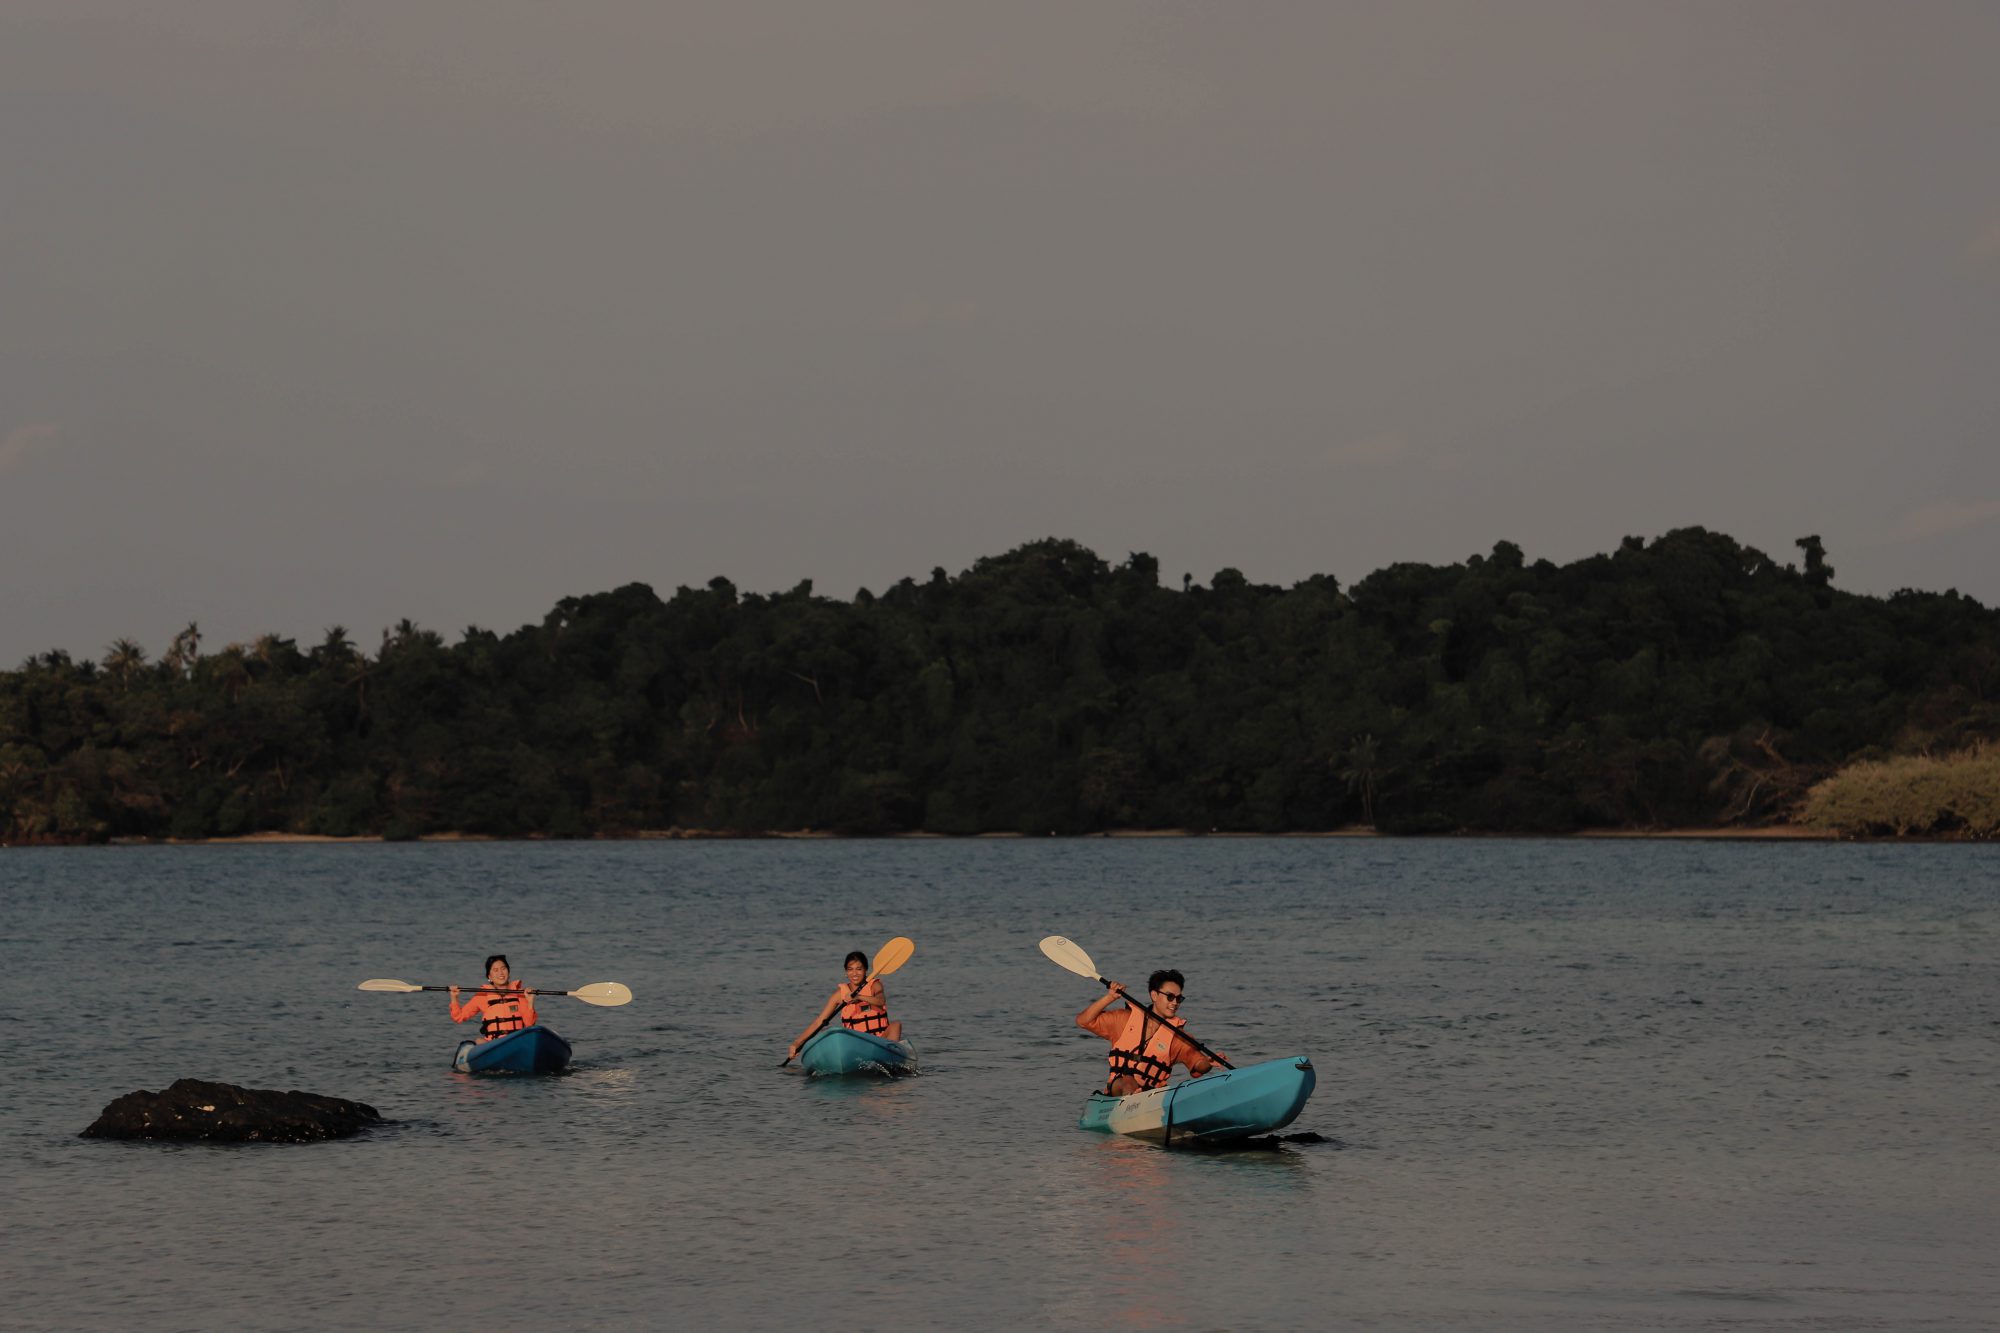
(1096, 1007)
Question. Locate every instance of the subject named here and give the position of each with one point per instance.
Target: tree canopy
(1686, 681)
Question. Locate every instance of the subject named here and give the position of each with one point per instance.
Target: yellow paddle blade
(892, 956)
(384, 984)
(610, 994)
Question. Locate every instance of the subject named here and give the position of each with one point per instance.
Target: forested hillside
(1689, 681)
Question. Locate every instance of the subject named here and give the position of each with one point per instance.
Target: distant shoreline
(1777, 833)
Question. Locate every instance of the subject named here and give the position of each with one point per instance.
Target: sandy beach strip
(1775, 833)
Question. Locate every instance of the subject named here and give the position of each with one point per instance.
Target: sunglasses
(1173, 995)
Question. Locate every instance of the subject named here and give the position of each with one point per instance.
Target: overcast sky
(319, 312)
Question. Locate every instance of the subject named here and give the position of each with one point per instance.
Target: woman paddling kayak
(863, 1006)
(502, 1005)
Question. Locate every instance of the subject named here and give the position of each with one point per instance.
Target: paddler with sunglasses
(1144, 1049)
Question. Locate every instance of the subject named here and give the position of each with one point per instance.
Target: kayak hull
(844, 1051)
(534, 1050)
(1227, 1104)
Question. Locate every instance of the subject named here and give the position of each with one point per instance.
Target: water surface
(1561, 1085)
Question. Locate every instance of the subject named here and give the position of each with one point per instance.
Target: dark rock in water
(224, 1113)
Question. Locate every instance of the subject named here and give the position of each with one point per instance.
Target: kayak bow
(534, 1050)
(839, 1050)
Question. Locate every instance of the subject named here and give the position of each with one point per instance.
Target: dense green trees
(1691, 680)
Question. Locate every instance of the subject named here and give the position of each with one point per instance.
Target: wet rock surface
(195, 1110)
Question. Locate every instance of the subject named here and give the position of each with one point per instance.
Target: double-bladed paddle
(887, 959)
(1067, 955)
(608, 994)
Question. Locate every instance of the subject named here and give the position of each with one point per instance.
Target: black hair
(496, 958)
(1163, 976)
(857, 957)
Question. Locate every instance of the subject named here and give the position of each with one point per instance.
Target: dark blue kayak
(533, 1050)
(841, 1050)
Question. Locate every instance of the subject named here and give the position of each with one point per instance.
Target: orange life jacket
(502, 1011)
(1143, 1050)
(869, 1018)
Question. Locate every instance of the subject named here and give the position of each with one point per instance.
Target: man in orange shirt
(1144, 1050)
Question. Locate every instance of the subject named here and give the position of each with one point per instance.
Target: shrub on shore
(1915, 795)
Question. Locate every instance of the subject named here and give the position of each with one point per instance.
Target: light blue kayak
(1227, 1104)
(533, 1050)
(840, 1050)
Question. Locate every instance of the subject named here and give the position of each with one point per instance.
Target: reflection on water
(1154, 1199)
(610, 1083)
(1142, 1233)
(872, 1116)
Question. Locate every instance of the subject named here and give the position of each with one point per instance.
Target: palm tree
(124, 660)
(231, 669)
(274, 653)
(1363, 769)
(335, 648)
(185, 650)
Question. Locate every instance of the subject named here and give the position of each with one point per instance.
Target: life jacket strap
(1149, 1072)
(870, 1021)
(1137, 1061)
(494, 1025)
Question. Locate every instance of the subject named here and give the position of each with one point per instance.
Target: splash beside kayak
(534, 1050)
(1227, 1104)
(840, 1050)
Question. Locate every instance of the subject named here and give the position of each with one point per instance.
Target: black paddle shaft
(488, 990)
(1180, 1032)
(852, 994)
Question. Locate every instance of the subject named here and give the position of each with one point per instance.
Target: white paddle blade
(1065, 954)
(384, 984)
(892, 956)
(610, 994)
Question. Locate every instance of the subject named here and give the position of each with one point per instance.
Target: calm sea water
(1562, 1085)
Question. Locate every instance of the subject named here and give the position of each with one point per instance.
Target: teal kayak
(840, 1050)
(533, 1050)
(1227, 1104)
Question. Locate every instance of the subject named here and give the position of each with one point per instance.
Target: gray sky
(318, 312)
